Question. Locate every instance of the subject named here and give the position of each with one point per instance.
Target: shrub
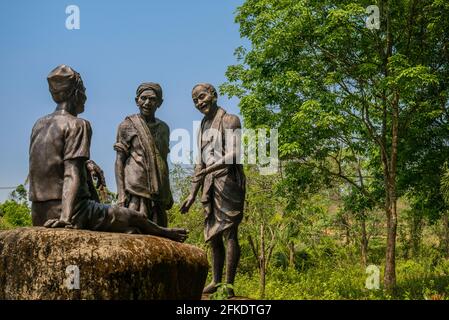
(15, 214)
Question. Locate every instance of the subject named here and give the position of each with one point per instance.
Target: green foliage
(4, 225)
(222, 291)
(20, 194)
(180, 181)
(265, 222)
(15, 212)
(341, 277)
(366, 108)
(444, 184)
(323, 79)
(107, 196)
(193, 221)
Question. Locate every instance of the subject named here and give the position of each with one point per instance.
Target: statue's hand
(121, 201)
(199, 176)
(187, 204)
(56, 223)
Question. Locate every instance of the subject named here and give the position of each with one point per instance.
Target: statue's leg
(124, 220)
(163, 219)
(143, 207)
(159, 214)
(134, 203)
(45, 210)
(218, 257)
(232, 256)
(38, 214)
(152, 212)
(132, 230)
(156, 213)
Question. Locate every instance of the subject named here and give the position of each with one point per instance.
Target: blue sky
(119, 45)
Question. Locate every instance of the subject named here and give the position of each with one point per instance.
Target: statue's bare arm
(120, 177)
(72, 173)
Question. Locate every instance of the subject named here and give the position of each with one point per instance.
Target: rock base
(41, 263)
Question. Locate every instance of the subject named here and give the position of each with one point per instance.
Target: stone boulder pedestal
(40, 263)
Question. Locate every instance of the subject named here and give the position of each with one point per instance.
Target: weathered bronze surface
(222, 181)
(141, 168)
(59, 179)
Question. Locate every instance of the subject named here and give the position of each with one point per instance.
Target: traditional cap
(150, 86)
(62, 82)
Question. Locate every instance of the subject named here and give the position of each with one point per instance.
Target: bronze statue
(60, 186)
(141, 169)
(222, 181)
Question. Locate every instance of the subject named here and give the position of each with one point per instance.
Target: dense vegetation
(362, 114)
(15, 212)
(316, 250)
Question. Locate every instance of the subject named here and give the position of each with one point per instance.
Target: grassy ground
(342, 277)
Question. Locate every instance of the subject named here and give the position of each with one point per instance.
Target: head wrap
(63, 81)
(150, 86)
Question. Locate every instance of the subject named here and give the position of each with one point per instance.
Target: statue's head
(66, 85)
(205, 98)
(149, 98)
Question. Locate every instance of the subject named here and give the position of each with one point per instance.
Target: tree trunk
(389, 160)
(391, 215)
(390, 263)
(364, 242)
(262, 261)
(348, 235)
(392, 218)
(291, 254)
(346, 227)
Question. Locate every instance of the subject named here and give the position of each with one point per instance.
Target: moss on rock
(33, 263)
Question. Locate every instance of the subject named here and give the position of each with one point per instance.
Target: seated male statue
(60, 187)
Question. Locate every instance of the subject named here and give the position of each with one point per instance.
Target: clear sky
(120, 44)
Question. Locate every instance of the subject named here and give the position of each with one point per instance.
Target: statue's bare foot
(57, 223)
(132, 231)
(177, 234)
(211, 288)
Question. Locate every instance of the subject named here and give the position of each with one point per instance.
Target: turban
(63, 81)
(150, 86)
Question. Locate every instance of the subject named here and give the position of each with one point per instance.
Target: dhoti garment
(223, 199)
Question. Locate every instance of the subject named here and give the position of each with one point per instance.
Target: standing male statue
(141, 169)
(60, 191)
(222, 181)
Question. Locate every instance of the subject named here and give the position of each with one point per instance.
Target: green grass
(342, 277)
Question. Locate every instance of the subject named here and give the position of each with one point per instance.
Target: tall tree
(339, 91)
(263, 220)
